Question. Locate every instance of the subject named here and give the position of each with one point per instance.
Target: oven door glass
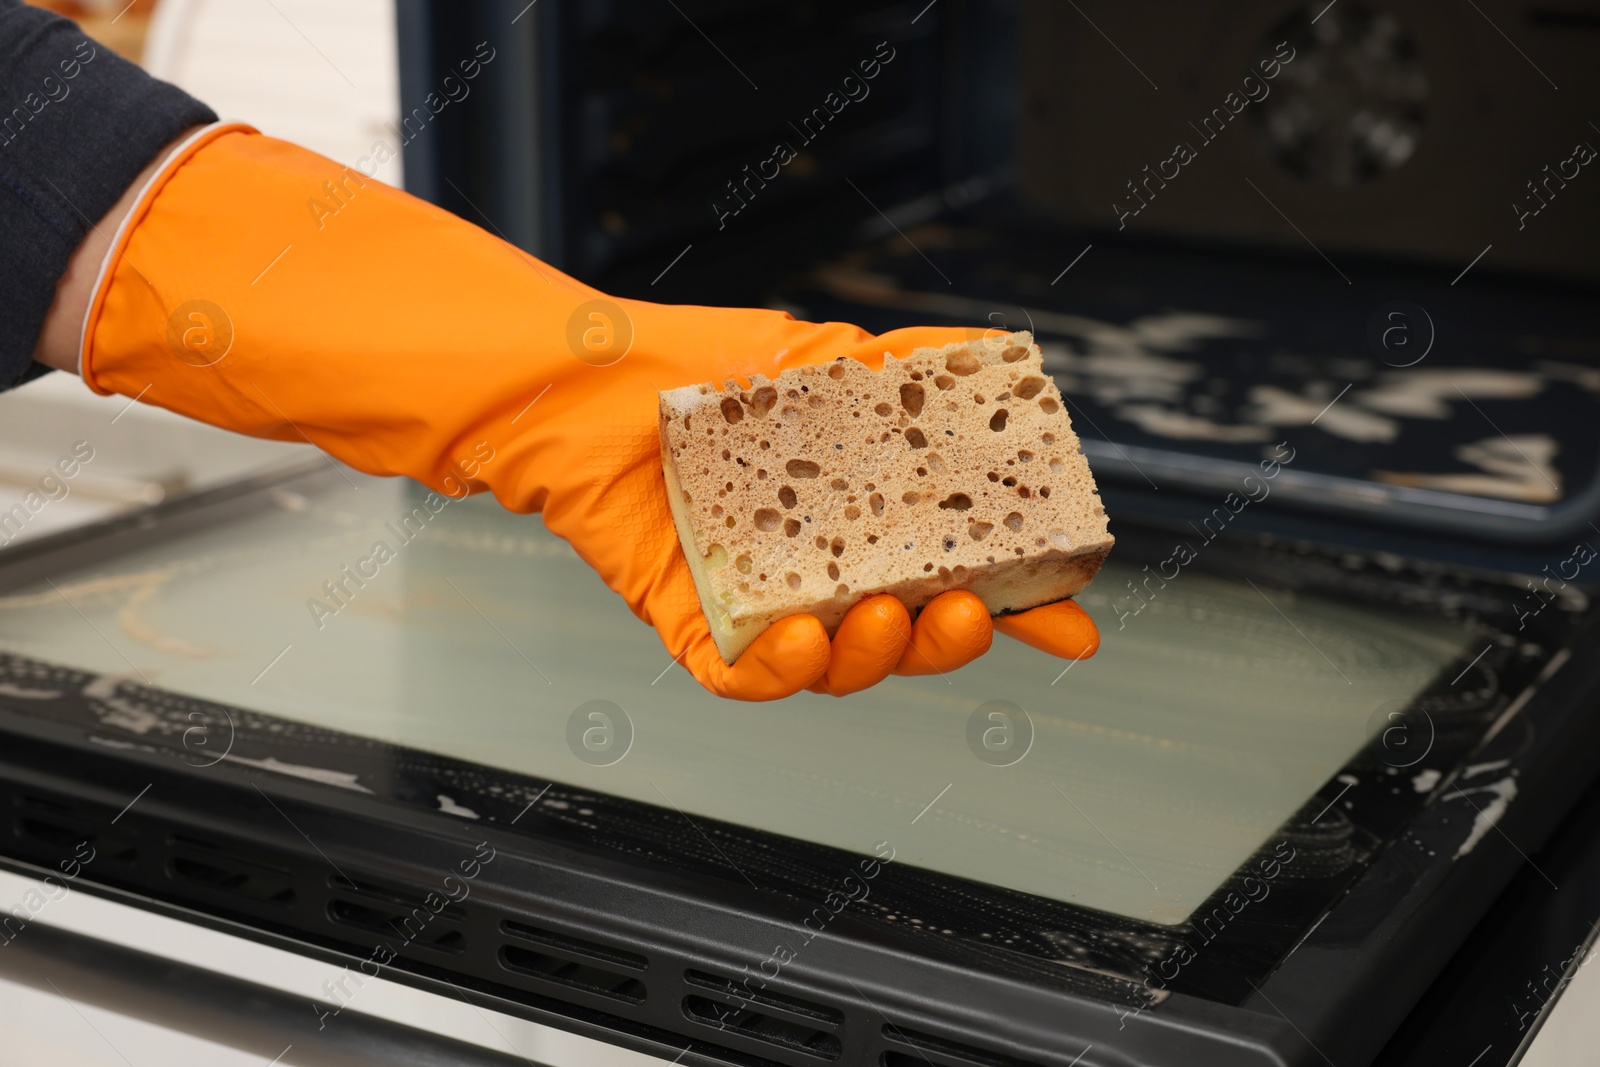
(1133, 783)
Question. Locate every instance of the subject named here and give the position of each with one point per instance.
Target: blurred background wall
(324, 75)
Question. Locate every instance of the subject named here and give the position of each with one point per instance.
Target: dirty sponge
(954, 468)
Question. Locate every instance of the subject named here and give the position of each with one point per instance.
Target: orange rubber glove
(262, 288)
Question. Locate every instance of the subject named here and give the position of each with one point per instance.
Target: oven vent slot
(413, 927)
(766, 1025)
(417, 918)
(404, 925)
(572, 974)
(403, 900)
(567, 945)
(727, 988)
(939, 1052)
(573, 962)
(59, 827)
(600, 969)
(216, 868)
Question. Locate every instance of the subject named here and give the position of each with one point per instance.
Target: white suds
(450, 807)
(1505, 790)
(1475, 769)
(314, 774)
(113, 710)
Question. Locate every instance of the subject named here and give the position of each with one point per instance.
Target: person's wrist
(62, 330)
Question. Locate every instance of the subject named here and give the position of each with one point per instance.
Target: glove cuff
(152, 188)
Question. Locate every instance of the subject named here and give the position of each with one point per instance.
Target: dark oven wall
(1381, 128)
(609, 137)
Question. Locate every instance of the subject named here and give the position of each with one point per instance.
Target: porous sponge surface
(952, 468)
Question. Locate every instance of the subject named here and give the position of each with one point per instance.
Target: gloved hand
(262, 288)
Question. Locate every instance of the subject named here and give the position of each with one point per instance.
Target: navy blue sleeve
(77, 125)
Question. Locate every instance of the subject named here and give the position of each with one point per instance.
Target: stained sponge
(954, 468)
